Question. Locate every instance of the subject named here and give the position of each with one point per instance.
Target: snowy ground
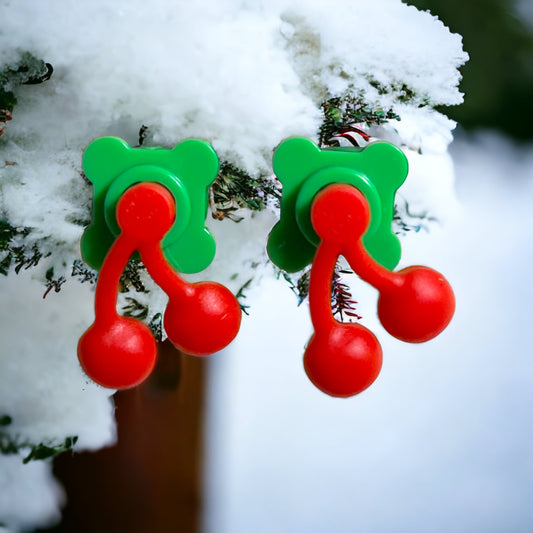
(442, 441)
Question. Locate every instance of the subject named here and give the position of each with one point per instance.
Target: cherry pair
(201, 318)
(415, 304)
(336, 201)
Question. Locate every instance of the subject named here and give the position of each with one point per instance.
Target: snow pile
(243, 75)
(39, 370)
(30, 494)
(44, 391)
(386, 57)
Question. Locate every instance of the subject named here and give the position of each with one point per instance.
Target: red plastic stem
(162, 273)
(368, 269)
(320, 286)
(105, 301)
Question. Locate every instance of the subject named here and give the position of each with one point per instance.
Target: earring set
(336, 201)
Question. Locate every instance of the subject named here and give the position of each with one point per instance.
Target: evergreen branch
(140, 311)
(348, 111)
(17, 254)
(402, 217)
(131, 277)
(14, 254)
(235, 189)
(300, 286)
(240, 294)
(135, 309)
(83, 272)
(44, 450)
(342, 302)
(156, 326)
(53, 283)
(8, 233)
(28, 70)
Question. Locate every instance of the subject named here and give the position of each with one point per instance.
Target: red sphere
(118, 355)
(419, 308)
(344, 362)
(204, 322)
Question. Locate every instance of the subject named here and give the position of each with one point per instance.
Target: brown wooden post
(151, 481)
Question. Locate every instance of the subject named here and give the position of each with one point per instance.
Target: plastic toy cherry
(340, 359)
(201, 318)
(415, 304)
(340, 202)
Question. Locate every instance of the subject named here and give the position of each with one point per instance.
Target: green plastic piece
(304, 169)
(186, 171)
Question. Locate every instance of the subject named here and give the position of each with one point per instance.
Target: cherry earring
(415, 304)
(201, 318)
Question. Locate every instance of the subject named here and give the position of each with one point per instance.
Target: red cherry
(419, 307)
(204, 322)
(117, 355)
(343, 361)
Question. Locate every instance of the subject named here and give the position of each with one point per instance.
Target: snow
(243, 75)
(45, 392)
(442, 441)
(391, 51)
(43, 387)
(30, 494)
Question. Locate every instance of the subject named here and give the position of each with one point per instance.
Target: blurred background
(498, 79)
(442, 442)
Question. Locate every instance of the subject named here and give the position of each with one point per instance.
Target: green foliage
(234, 189)
(131, 277)
(299, 284)
(240, 295)
(16, 254)
(44, 450)
(13, 252)
(135, 309)
(141, 311)
(53, 283)
(156, 326)
(349, 110)
(342, 302)
(27, 70)
(83, 272)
